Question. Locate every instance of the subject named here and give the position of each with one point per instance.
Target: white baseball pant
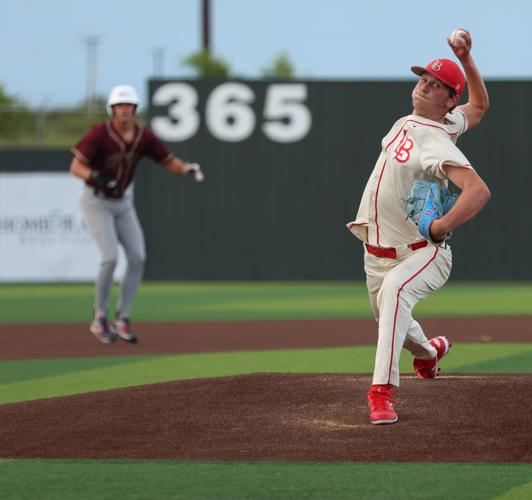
(111, 222)
(395, 286)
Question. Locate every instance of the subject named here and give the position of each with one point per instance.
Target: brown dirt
(59, 340)
(459, 418)
(279, 417)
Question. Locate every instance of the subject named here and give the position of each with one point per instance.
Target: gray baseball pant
(112, 222)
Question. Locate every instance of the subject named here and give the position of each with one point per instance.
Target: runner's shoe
(122, 327)
(100, 329)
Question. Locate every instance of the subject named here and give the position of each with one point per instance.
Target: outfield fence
(286, 164)
(44, 127)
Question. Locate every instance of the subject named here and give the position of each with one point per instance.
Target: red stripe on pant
(437, 249)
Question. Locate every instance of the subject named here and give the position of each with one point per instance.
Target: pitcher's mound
(292, 417)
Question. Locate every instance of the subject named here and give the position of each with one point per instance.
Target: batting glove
(195, 170)
(103, 181)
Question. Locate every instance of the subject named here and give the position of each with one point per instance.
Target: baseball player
(106, 158)
(403, 267)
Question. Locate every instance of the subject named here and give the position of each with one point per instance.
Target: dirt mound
(473, 418)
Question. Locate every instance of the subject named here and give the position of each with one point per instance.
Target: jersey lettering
(402, 151)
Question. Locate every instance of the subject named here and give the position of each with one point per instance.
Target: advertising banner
(42, 234)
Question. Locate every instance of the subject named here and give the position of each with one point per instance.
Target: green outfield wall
(285, 165)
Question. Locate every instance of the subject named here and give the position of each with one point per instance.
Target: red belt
(391, 253)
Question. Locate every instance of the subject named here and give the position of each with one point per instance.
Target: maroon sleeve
(90, 144)
(155, 147)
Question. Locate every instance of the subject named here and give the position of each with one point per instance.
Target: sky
(44, 49)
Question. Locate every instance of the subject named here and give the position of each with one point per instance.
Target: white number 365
(229, 115)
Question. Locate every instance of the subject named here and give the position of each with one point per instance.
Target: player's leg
(417, 342)
(376, 270)
(131, 237)
(411, 280)
(99, 219)
(380, 397)
(408, 282)
(427, 353)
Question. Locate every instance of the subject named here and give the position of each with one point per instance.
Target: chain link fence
(25, 127)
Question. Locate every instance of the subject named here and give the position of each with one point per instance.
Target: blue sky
(43, 54)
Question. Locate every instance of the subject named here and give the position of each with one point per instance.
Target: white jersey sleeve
(458, 121)
(439, 148)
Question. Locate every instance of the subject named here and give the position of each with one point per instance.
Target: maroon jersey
(102, 148)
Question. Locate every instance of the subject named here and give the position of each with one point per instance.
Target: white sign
(42, 234)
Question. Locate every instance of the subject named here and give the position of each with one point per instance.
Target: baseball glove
(426, 202)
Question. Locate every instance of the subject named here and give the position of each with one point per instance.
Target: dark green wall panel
(271, 210)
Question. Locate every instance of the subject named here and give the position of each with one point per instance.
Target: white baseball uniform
(401, 267)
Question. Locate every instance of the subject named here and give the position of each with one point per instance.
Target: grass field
(251, 300)
(32, 379)
(87, 480)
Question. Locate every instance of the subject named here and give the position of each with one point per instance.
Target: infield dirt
(270, 417)
(264, 416)
(59, 340)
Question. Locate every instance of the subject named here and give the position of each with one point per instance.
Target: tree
(100, 103)
(8, 100)
(205, 65)
(15, 118)
(281, 68)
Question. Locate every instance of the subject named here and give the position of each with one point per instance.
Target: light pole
(92, 42)
(158, 61)
(206, 24)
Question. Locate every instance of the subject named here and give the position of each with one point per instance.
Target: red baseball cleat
(381, 404)
(428, 368)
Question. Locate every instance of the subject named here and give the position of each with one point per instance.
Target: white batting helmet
(121, 94)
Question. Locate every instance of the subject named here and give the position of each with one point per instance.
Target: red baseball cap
(445, 70)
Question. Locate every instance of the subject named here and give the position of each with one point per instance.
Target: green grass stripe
(517, 493)
(193, 301)
(86, 479)
(32, 369)
(497, 358)
(189, 301)
(516, 363)
(189, 366)
(152, 369)
(487, 358)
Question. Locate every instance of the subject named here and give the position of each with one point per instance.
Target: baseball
(457, 38)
